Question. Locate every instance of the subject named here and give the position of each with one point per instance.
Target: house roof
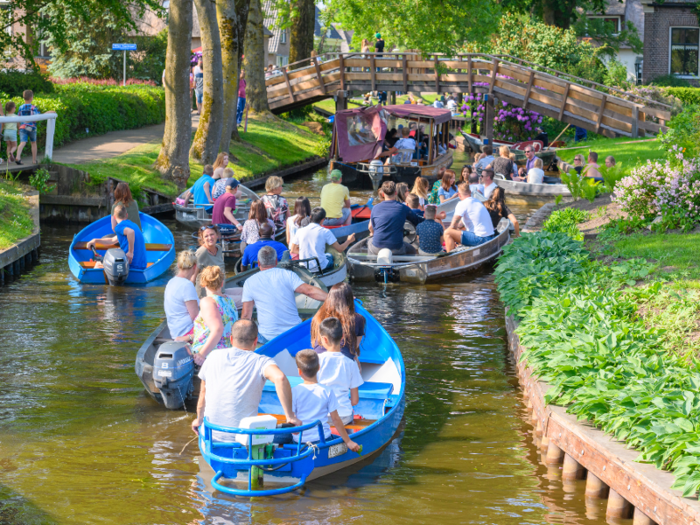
(318, 28)
(270, 11)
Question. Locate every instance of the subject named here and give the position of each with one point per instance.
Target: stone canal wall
(25, 252)
(581, 451)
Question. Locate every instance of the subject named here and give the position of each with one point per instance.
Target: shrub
(15, 82)
(670, 81)
(511, 123)
(683, 133)
(579, 185)
(102, 81)
(687, 95)
(566, 221)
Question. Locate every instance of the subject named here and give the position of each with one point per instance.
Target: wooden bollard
(555, 455)
(595, 488)
(544, 444)
(642, 519)
(572, 469)
(538, 429)
(618, 507)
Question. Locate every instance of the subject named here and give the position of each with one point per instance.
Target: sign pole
(124, 48)
(124, 85)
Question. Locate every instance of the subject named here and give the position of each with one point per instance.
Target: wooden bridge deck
(571, 100)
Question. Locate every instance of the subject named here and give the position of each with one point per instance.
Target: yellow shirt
(333, 197)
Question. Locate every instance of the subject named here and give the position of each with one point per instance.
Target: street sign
(123, 47)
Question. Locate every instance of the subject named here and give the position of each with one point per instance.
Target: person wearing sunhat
(335, 199)
(226, 205)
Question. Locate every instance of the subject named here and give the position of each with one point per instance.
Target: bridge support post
(341, 102)
(487, 123)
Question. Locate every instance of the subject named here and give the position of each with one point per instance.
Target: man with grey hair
(271, 291)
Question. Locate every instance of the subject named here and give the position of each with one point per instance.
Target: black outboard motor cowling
(173, 370)
(116, 266)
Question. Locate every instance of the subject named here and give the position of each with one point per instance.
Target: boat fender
(173, 370)
(116, 266)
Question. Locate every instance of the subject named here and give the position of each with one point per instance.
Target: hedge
(687, 95)
(88, 110)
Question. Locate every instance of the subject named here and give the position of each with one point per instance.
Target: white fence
(50, 119)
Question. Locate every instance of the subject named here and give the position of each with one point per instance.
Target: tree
(233, 17)
(326, 18)
(173, 159)
(207, 139)
(256, 91)
(301, 33)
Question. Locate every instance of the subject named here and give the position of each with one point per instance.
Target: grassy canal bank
(268, 145)
(15, 220)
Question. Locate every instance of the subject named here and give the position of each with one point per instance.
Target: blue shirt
(387, 219)
(429, 233)
(139, 261)
(250, 255)
(200, 196)
(446, 194)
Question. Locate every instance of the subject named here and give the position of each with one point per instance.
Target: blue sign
(123, 47)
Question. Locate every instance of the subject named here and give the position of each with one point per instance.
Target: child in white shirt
(315, 402)
(340, 374)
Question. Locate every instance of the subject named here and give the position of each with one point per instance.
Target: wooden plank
(330, 65)
(342, 73)
(651, 126)
(493, 75)
(319, 75)
(437, 76)
(635, 122)
(421, 64)
(600, 113)
(528, 89)
(658, 113)
(420, 77)
(404, 75)
(430, 144)
(469, 67)
(563, 102)
(373, 73)
(150, 246)
(289, 86)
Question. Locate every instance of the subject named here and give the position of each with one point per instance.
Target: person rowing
(386, 223)
(130, 240)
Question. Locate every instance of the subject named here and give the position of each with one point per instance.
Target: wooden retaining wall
(633, 490)
(25, 253)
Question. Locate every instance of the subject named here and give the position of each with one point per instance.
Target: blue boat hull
(153, 231)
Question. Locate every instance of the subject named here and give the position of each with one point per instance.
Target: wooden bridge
(569, 99)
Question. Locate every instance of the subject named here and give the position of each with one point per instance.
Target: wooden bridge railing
(555, 95)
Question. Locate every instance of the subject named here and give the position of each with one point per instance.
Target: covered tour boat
(358, 136)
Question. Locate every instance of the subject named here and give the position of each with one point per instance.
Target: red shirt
(227, 200)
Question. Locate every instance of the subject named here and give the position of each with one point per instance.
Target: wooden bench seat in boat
(91, 264)
(357, 425)
(366, 390)
(150, 246)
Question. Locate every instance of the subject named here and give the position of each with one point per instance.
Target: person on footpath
(27, 130)
(241, 99)
(199, 85)
(129, 237)
(475, 218)
(335, 199)
(233, 380)
(271, 291)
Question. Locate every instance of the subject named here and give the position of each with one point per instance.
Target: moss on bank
(15, 221)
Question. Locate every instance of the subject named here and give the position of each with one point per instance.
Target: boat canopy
(359, 132)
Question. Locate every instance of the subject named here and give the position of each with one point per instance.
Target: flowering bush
(510, 123)
(102, 81)
(671, 189)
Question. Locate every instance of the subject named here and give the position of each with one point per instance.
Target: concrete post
(555, 455)
(572, 469)
(618, 507)
(642, 519)
(595, 488)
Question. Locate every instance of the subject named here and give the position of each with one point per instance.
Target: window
(283, 36)
(684, 51)
(282, 61)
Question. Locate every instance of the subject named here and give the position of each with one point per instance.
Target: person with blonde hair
(217, 313)
(220, 184)
(421, 188)
(503, 164)
(221, 160)
(276, 205)
(181, 301)
(536, 173)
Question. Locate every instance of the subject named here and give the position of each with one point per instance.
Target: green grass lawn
(267, 145)
(628, 152)
(15, 221)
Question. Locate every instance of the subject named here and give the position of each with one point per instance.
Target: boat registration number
(337, 450)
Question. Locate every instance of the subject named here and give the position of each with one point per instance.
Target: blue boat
(282, 469)
(160, 251)
(359, 225)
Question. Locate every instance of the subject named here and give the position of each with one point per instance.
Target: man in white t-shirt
(489, 185)
(272, 291)
(233, 380)
(475, 218)
(311, 241)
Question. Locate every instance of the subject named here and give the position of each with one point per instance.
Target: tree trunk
(233, 17)
(557, 13)
(207, 140)
(173, 161)
(256, 92)
(301, 38)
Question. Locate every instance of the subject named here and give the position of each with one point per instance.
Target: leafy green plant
(611, 176)
(579, 185)
(40, 180)
(566, 221)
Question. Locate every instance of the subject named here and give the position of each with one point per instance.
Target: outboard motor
(173, 369)
(386, 273)
(376, 173)
(116, 266)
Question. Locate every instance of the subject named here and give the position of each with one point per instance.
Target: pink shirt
(241, 88)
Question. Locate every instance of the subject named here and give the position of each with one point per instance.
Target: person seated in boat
(310, 242)
(529, 163)
(447, 189)
(474, 185)
(250, 255)
(487, 181)
(404, 143)
(209, 253)
(225, 206)
(496, 206)
(276, 205)
(340, 374)
(301, 217)
(421, 189)
(201, 191)
(476, 226)
(430, 233)
(386, 223)
(465, 174)
(233, 380)
(271, 291)
(452, 104)
(181, 301)
(391, 138)
(578, 163)
(129, 237)
(592, 169)
(402, 191)
(311, 402)
(486, 159)
(257, 216)
(335, 199)
(122, 195)
(433, 197)
(413, 202)
(503, 165)
(217, 313)
(220, 184)
(610, 161)
(536, 174)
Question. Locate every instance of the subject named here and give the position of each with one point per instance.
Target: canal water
(80, 442)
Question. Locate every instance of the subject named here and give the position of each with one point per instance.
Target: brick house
(671, 40)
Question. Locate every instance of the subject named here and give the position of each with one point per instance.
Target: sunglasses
(209, 227)
(528, 151)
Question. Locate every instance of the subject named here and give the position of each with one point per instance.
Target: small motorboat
(548, 155)
(419, 269)
(281, 469)
(165, 367)
(359, 226)
(530, 193)
(190, 215)
(230, 239)
(160, 253)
